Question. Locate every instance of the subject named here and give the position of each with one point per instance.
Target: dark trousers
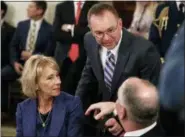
(8, 74)
(73, 74)
(70, 72)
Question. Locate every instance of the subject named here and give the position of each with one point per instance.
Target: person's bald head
(140, 98)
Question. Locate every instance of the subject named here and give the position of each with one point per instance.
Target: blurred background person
(70, 25)
(143, 17)
(7, 32)
(48, 111)
(172, 85)
(137, 108)
(168, 17)
(32, 36)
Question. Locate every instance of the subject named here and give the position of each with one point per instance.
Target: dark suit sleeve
(9, 39)
(76, 119)
(86, 84)
(19, 132)
(154, 36)
(150, 64)
(59, 35)
(51, 44)
(79, 32)
(15, 46)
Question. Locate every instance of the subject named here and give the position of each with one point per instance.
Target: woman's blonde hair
(32, 71)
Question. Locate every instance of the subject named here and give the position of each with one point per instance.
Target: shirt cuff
(115, 112)
(72, 30)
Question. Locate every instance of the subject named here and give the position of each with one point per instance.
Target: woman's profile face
(49, 82)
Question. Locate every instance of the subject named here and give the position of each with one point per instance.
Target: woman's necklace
(44, 123)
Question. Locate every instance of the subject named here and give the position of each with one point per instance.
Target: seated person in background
(48, 111)
(7, 32)
(143, 17)
(137, 108)
(33, 36)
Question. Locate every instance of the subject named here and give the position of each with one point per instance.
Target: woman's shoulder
(27, 102)
(68, 100)
(68, 97)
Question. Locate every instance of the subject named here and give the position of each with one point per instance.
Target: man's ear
(123, 112)
(120, 22)
(40, 11)
(120, 111)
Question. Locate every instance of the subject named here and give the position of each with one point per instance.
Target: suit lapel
(100, 74)
(40, 35)
(99, 69)
(123, 55)
(29, 123)
(58, 115)
(84, 11)
(72, 11)
(26, 31)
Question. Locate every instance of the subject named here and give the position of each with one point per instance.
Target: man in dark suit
(7, 32)
(137, 108)
(70, 25)
(33, 36)
(168, 17)
(113, 55)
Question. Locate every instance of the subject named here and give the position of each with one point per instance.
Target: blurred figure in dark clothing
(70, 25)
(168, 17)
(172, 85)
(7, 32)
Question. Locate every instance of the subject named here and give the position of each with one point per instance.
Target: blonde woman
(47, 111)
(143, 17)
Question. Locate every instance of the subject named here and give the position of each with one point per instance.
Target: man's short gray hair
(140, 110)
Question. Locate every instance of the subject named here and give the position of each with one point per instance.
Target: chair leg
(9, 96)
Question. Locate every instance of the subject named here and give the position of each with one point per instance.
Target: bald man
(137, 109)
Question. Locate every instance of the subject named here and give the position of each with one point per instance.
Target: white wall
(17, 11)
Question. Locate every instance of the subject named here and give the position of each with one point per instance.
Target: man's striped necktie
(109, 69)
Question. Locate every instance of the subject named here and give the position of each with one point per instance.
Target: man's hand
(101, 109)
(25, 55)
(67, 27)
(18, 67)
(113, 126)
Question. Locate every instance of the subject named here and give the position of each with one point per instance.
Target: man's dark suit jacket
(64, 14)
(66, 117)
(7, 32)
(157, 131)
(43, 43)
(136, 57)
